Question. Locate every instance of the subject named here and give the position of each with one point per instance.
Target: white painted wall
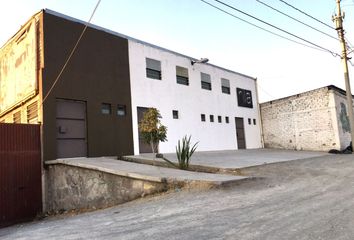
(190, 101)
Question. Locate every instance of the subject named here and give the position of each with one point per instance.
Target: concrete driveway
(305, 199)
(232, 159)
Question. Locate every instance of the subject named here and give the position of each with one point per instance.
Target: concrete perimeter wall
(305, 121)
(69, 188)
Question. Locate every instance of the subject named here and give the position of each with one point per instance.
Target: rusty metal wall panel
(20, 173)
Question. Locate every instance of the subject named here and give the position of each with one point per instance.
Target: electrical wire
(264, 91)
(259, 27)
(71, 53)
(305, 24)
(306, 14)
(278, 28)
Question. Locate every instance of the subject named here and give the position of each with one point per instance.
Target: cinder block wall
(306, 121)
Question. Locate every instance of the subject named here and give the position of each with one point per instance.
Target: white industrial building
(109, 79)
(198, 99)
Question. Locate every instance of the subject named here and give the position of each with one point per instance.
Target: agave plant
(185, 151)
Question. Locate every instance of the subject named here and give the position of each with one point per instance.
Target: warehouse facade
(315, 120)
(111, 79)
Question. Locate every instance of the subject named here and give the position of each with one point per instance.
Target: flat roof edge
(49, 11)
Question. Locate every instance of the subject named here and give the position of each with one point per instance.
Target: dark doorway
(143, 146)
(240, 133)
(71, 128)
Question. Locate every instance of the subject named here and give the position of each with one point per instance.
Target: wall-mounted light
(202, 60)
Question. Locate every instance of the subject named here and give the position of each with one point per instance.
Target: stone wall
(69, 188)
(306, 121)
(343, 119)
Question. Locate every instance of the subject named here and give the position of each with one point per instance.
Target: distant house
(314, 120)
(109, 82)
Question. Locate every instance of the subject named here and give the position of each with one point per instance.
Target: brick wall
(303, 122)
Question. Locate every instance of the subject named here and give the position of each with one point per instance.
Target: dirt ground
(303, 199)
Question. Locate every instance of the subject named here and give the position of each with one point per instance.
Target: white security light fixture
(202, 60)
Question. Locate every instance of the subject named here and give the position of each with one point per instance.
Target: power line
(308, 15)
(71, 53)
(349, 46)
(266, 30)
(264, 91)
(305, 24)
(278, 28)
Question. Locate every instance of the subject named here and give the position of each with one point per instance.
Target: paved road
(305, 199)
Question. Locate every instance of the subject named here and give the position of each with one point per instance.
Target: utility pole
(338, 18)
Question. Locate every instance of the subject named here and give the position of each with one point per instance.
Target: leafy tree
(151, 129)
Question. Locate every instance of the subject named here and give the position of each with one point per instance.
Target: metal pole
(338, 18)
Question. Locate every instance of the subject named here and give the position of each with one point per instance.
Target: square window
(202, 117)
(219, 119)
(175, 114)
(17, 117)
(227, 119)
(225, 86)
(205, 81)
(182, 75)
(249, 121)
(153, 69)
(211, 117)
(106, 108)
(244, 98)
(225, 90)
(254, 121)
(121, 110)
(32, 113)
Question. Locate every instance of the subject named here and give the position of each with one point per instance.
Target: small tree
(151, 129)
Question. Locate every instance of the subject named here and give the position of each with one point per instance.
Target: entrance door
(71, 129)
(143, 147)
(240, 133)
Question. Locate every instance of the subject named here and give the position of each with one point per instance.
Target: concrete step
(170, 176)
(149, 160)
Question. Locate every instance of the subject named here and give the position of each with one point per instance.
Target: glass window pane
(106, 108)
(121, 110)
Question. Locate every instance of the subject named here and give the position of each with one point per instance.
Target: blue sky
(197, 30)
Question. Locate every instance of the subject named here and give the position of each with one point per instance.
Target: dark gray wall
(97, 73)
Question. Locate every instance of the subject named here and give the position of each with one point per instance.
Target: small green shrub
(184, 152)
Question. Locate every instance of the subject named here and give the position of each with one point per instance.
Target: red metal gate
(20, 173)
